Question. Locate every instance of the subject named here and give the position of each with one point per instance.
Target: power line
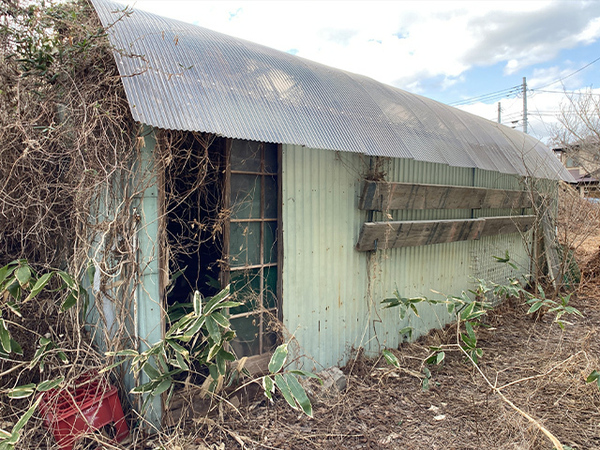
(515, 90)
(490, 96)
(571, 74)
(563, 92)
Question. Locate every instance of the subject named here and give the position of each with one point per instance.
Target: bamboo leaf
(181, 361)
(213, 329)
(5, 272)
(283, 387)
(25, 417)
(126, 352)
(220, 319)
(299, 394)
(14, 289)
(23, 275)
(214, 302)
(22, 391)
(268, 386)
(391, 358)
(214, 350)
(4, 337)
(534, 307)
(179, 349)
(49, 384)
(151, 371)
(440, 357)
(16, 347)
(595, 375)
(69, 302)
(39, 285)
(303, 373)
(227, 356)
(146, 387)
(278, 358)
(193, 329)
(67, 279)
(197, 303)
(162, 387)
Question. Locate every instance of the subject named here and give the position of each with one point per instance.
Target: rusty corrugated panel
(181, 76)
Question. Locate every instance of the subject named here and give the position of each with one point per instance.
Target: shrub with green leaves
(20, 284)
(200, 338)
(287, 382)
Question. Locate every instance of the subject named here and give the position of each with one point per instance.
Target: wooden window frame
(227, 270)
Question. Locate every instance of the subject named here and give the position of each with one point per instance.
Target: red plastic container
(73, 413)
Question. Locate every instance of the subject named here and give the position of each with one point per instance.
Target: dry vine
(70, 183)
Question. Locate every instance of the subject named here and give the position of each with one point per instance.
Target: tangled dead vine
(71, 178)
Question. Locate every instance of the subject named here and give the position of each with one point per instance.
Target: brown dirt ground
(386, 408)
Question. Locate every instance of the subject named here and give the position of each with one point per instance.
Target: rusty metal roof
(184, 77)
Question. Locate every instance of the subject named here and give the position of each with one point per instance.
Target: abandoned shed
(325, 191)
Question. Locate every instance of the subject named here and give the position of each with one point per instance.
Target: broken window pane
(270, 158)
(270, 294)
(270, 197)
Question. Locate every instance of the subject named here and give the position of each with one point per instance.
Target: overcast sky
(449, 51)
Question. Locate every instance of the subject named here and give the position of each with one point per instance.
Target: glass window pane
(245, 288)
(270, 252)
(246, 342)
(244, 244)
(271, 158)
(245, 155)
(270, 296)
(270, 197)
(245, 196)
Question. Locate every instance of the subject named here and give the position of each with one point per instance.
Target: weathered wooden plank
(382, 235)
(506, 224)
(396, 234)
(381, 196)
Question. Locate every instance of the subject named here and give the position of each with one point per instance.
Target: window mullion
(262, 248)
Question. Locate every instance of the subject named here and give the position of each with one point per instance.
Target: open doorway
(223, 206)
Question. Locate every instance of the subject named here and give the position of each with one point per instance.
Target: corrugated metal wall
(332, 293)
(324, 280)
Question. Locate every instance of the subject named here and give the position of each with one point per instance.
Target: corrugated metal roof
(184, 77)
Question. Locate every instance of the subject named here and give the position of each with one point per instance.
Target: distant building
(583, 163)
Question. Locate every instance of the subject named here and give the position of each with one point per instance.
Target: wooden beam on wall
(382, 196)
(384, 235)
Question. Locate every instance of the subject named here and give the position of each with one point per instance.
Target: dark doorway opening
(194, 222)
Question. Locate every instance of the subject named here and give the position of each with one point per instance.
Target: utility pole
(499, 113)
(524, 105)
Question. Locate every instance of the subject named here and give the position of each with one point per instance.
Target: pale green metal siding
(150, 321)
(331, 292)
(323, 276)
